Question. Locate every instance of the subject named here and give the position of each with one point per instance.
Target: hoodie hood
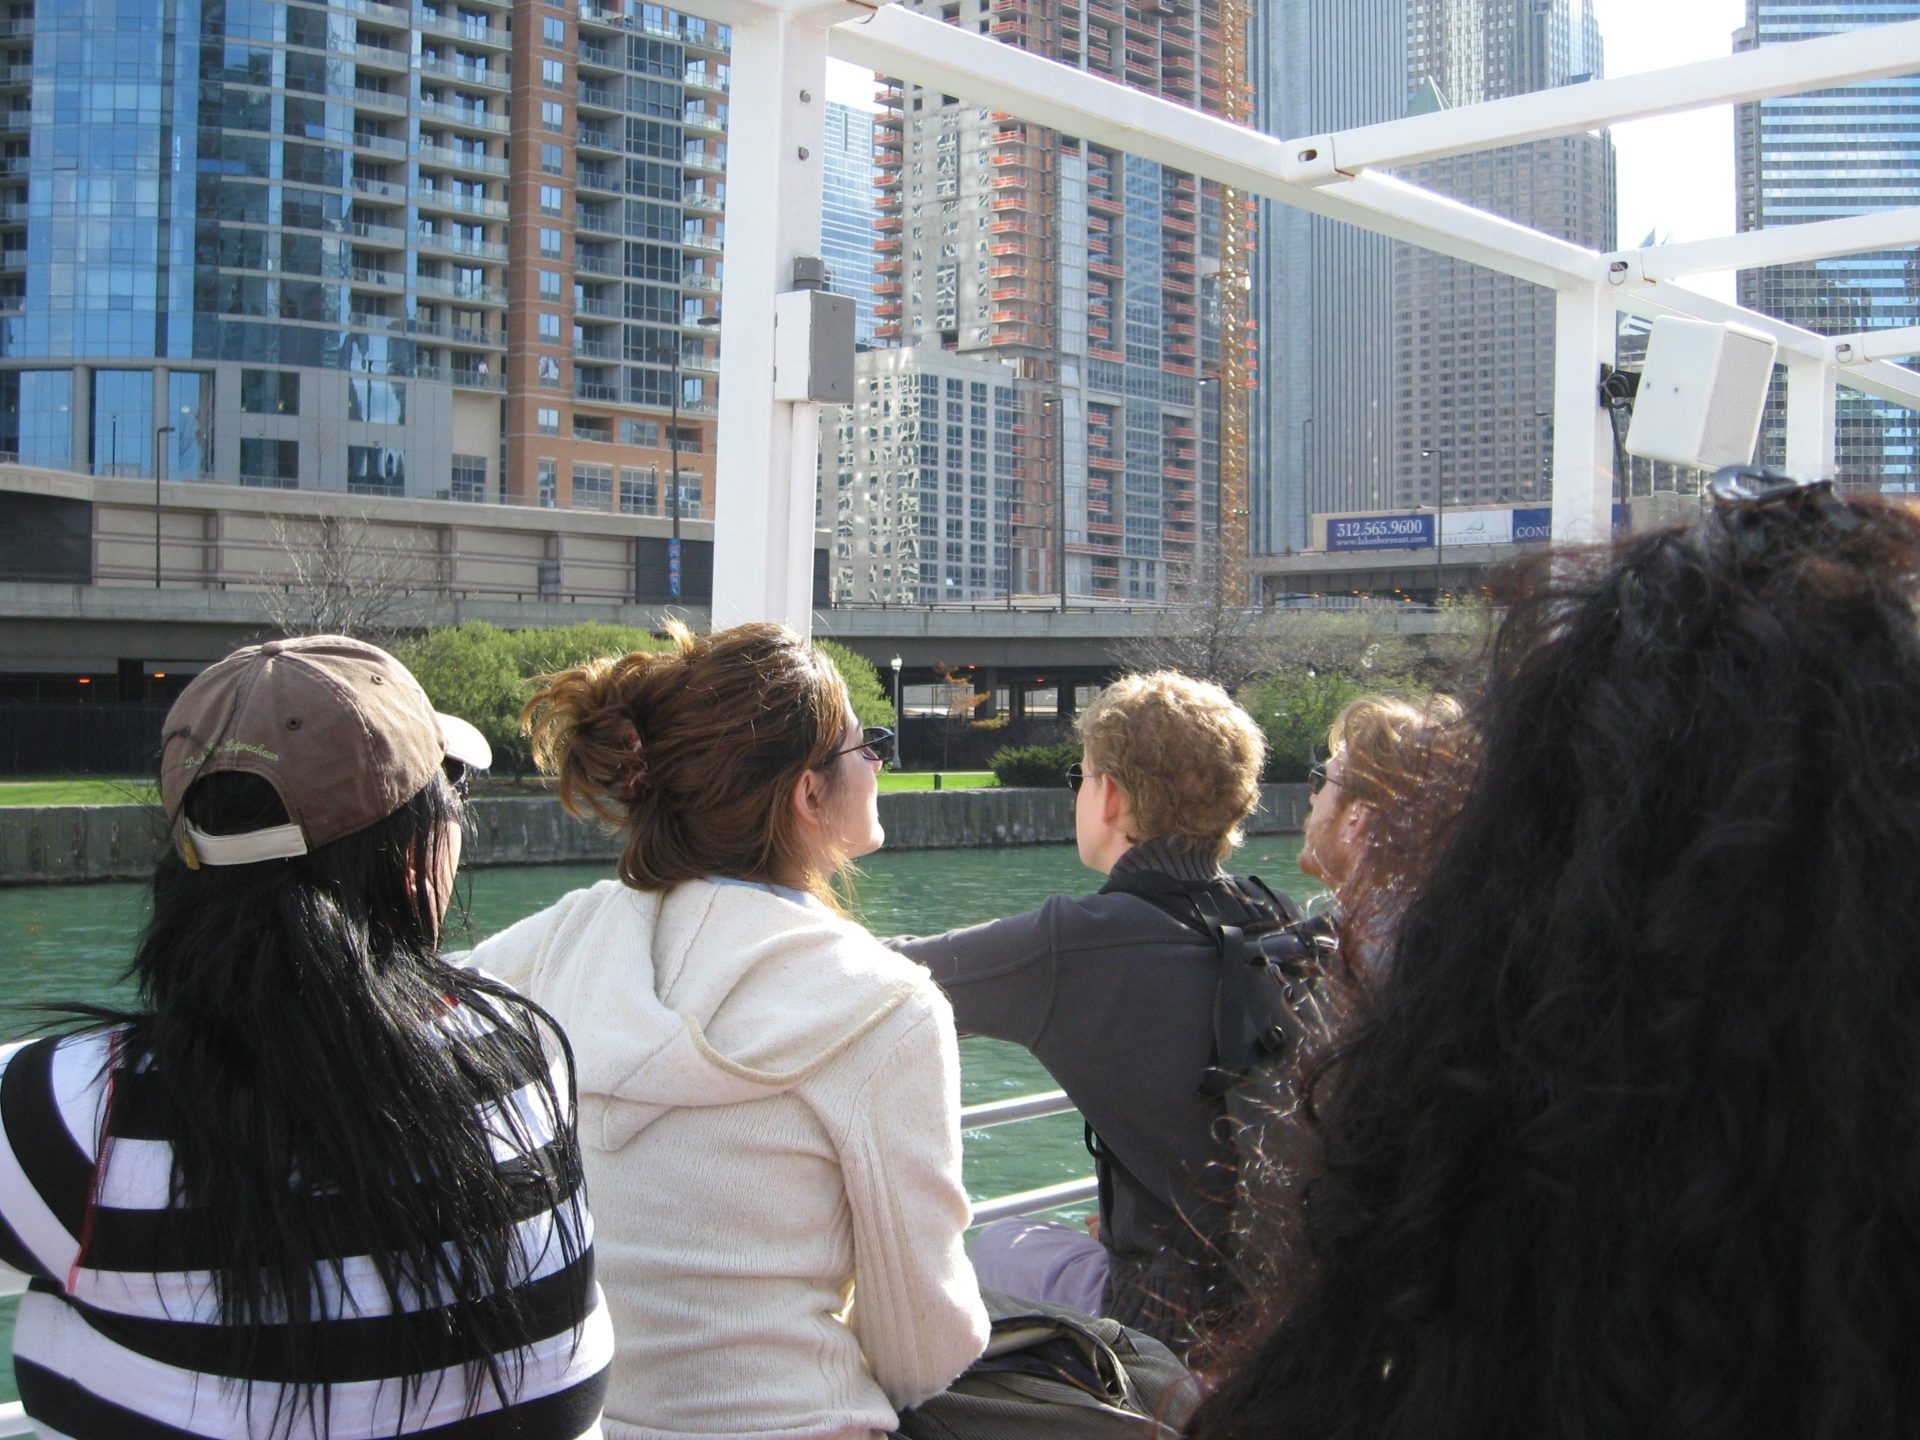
(706, 994)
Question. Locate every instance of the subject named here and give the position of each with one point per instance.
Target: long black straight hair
(1624, 1146)
(325, 1099)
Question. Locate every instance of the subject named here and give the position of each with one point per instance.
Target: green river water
(70, 942)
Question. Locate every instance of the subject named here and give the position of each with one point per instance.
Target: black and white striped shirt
(117, 1335)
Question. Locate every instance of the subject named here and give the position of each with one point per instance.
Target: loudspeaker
(1701, 393)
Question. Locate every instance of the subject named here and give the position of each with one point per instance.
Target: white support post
(1810, 433)
(1583, 338)
(768, 453)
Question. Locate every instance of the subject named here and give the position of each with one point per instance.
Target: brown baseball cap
(339, 728)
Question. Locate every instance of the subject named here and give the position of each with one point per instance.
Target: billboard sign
(1520, 525)
(1380, 532)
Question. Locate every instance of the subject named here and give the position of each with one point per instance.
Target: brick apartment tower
(1095, 276)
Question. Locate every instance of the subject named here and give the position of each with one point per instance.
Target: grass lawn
(949, 780)
(89, 790)
(78, 790)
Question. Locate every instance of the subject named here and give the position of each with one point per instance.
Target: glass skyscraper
(1821, 156)
(847, 211)
(456, 249)
(1474, 357)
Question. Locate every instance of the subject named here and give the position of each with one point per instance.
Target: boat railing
(1025, 1202)
(13, 1419)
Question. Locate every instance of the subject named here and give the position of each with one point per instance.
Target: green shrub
(1033, 766)
(1295, 709)
(868, 694)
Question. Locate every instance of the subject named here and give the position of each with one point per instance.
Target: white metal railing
(13, 1419)
(1026, 1202)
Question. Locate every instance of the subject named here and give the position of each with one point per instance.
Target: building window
(550, 285)
(549, 244)
(549, 371)
(274, 464)
(554, 31)
(593, 487)
(549, 329)
(377, 402)
(548, 481)
(376, 470)
(640, 492)
(553, 159)
(553, 74)
(469, 478)
(270, 392)
(553, 116)
(641, 432)
(549, 199)
(546, 421)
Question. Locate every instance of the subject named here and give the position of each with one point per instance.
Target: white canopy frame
(766, 466)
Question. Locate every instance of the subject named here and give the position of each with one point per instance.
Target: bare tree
(1233, 645)
(341, 578)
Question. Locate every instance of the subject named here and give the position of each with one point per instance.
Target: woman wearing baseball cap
(318, 1181)
(769, 1098)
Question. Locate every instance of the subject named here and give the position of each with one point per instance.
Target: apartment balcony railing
(461, 159)
(463, 115)
(436, 199)
(460, 290)
(430, 239)
(465, 74)
(379, 100)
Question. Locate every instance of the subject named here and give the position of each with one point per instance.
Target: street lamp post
(159, 473)
(1219, 499)
(1306, 482)
(673, 455)
(1060, 502)
(673, 479)
(899, 720)
(1439, 455)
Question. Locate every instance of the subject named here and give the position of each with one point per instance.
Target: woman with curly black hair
(1626, 1146)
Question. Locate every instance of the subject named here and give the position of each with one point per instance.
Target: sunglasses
(877, 743)
(1318, 779)
(1076, 776)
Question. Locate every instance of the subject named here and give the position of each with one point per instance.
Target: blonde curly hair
(1187, 757)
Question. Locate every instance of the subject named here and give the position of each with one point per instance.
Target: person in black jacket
(1114, 994)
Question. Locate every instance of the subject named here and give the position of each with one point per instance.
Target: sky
(1676, 173)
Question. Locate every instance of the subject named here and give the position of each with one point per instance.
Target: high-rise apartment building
(847, 211)
(1474, 350)
(1322, 291)
(458, 250)
(918, 468)
(1094, 275)
(1821, 156)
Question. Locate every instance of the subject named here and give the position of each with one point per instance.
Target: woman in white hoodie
(769, 1098)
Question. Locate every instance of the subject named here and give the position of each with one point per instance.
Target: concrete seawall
(78, 844)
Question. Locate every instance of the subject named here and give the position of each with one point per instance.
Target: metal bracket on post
(1811, 434)
(1310, 161)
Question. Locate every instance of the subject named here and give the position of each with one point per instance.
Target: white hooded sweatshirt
(769, 1113)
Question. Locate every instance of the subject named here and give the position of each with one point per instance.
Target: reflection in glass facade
(1821, 156)
(36, 416)
(123, 423)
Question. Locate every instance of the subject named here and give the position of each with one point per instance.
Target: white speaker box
(1701, 393)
